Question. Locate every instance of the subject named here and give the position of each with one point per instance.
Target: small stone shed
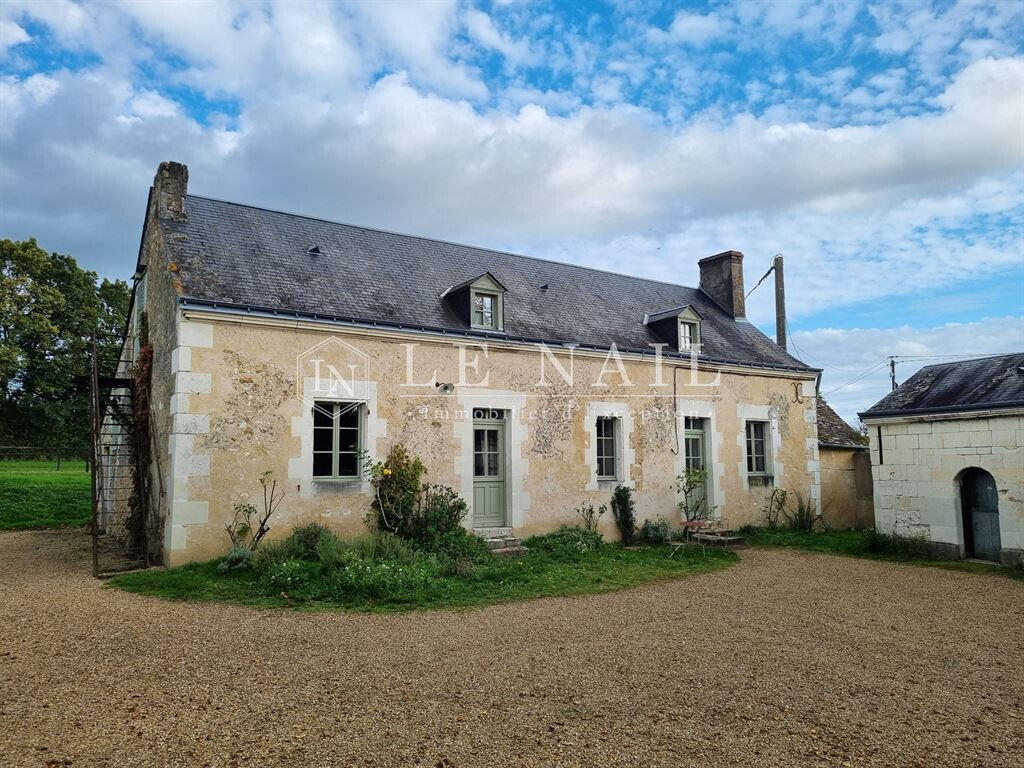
(947, 457)
(846, 493)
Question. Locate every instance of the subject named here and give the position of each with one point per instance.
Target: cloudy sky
(878, 146)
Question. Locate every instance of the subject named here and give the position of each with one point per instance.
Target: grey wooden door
(488, 473)
(980, 502)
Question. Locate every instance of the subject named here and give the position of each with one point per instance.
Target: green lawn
(868, 545)
(489, 580)
(34, 494)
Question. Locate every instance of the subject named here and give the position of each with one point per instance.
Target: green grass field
(864, 544)
(34, 494)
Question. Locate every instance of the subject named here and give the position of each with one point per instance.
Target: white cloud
(846, 355)
(11, 34)
(691, 28)
(482, 29)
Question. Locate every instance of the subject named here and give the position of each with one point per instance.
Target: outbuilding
(947, 457)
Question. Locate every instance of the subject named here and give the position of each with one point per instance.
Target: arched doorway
(979, 503)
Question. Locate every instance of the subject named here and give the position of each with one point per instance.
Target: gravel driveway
(786, 659)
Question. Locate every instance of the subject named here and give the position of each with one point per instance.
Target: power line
(863, 375)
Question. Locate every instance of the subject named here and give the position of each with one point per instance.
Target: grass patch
(35, 494)
(872, 546)
(369, 575)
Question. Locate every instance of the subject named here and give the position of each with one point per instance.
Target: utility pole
(892, 370)
(780, 302)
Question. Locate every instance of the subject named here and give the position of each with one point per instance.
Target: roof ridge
(450, 242)
(969, 360)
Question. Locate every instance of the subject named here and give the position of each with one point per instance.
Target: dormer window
(688, 335)
(485, 310)
(479, 302)
(678, 327)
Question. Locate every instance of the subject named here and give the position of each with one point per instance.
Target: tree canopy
(49, 309)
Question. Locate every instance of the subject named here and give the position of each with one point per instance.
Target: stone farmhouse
(947, 457)
(306, 347)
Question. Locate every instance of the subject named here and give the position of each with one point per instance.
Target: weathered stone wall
(916, 485)
(239, 411)
(846, 492)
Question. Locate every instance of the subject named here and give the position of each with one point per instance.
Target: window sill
(766, 481)
(337, 483)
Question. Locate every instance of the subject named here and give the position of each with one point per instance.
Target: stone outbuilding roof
(833, 432)
(967, 385)
(256, 260)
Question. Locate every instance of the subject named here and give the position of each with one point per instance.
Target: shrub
(773, 507)
(248, 527)
(307, 538)
(590, 517)
(238, 559)
(463, 545)
(692, 487)
(893, 544)
(568, 540)
(656, 532)
(398, 482)
(383, 546)
(624, 511)
(380, 579)
(286, 574)
(803, 517)
(438, 513)
(276, 552)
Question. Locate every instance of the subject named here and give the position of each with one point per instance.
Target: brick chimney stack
(721, 278)
(170, 185)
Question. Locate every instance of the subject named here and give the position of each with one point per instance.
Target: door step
(501, 542)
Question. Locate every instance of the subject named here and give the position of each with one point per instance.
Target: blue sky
(878, 146)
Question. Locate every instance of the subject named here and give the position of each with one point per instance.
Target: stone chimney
(721, 278)
(170, 185)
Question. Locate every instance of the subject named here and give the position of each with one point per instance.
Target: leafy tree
(49, 309)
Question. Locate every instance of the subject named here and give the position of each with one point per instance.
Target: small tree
(241, 530)
(624, 512)
(774, 507)
(590, 517)
(692, 485)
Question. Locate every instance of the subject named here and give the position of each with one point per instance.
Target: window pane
(348, 415)
(322, 414)
(478, 464)
(492, 464)
(348, 439)
(478, 439)
(347, 464)
(323, 439)
(321, 465)
(492, 440)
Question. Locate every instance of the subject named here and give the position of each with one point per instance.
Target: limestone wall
(239, 409)
(916, 486)
(846, 493)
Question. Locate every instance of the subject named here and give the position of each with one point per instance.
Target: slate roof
(967, 385)
(834, 432)
(232, 255)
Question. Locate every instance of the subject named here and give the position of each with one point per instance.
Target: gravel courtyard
(786, 659)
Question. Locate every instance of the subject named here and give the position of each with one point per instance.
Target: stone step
(493, 533)
(501, 542)
(515, 551)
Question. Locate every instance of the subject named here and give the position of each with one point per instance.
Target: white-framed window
(607, 448)
(758, 449)
(688, 335)
(337, 440)
(485, 310)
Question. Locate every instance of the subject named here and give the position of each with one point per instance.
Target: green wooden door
(695, 459)
(488, 474)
